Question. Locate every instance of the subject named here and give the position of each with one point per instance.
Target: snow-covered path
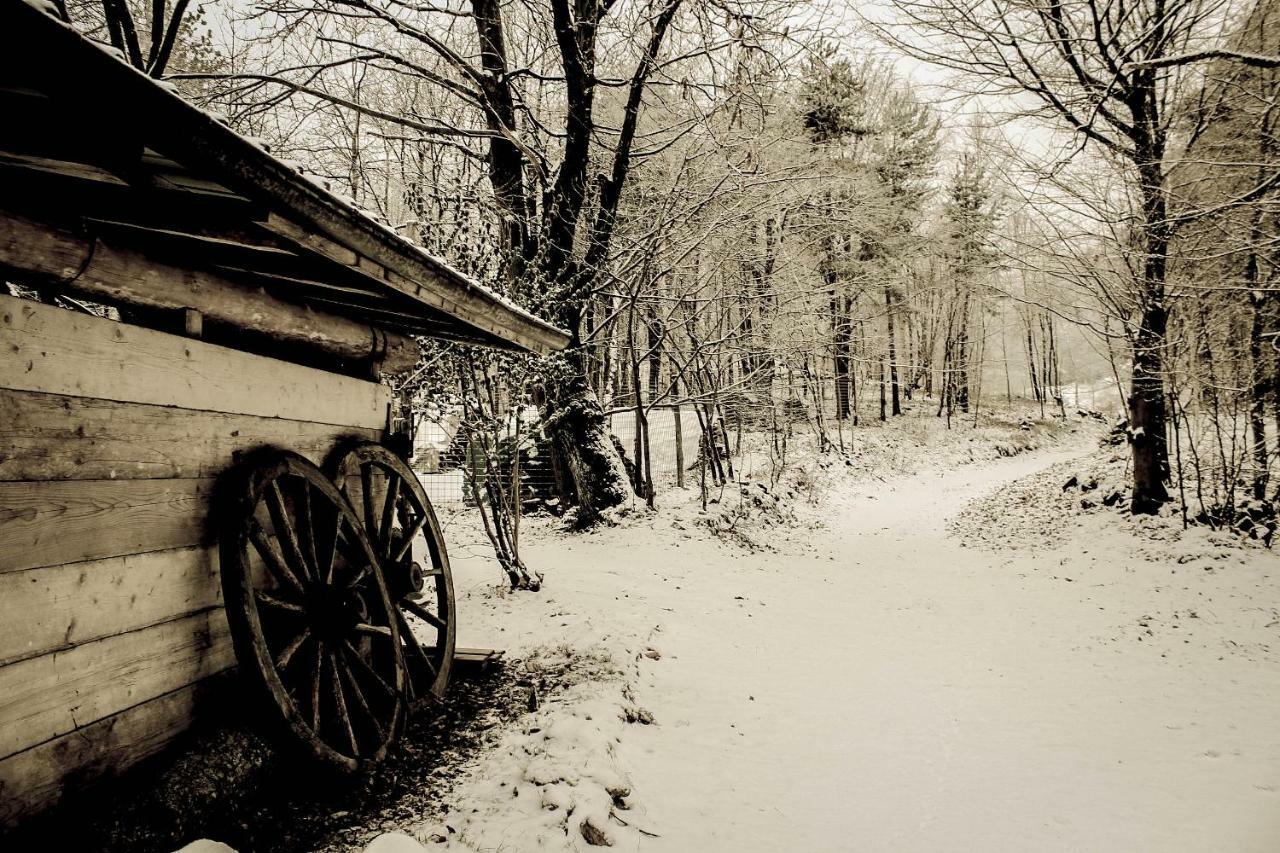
(890, 689)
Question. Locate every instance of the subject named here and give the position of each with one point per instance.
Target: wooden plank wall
(111, 437)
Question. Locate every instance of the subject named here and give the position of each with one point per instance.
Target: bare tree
(1098, 70)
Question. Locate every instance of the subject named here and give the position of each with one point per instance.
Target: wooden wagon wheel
(311, 617)
(396, 512)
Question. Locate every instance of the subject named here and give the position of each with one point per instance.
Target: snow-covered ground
(868, 682)
(925, 645)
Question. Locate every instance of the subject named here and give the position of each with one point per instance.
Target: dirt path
(894, 690)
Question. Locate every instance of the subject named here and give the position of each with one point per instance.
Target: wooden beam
(116, 273)
(318, 243)
(187, 239)
(152, 172)
(12, 161)
(478, 317)
(60, 437)
(51, 695)
(48, 349)
(66, 521)
(55, 173)
(286, 282)
(162, 173)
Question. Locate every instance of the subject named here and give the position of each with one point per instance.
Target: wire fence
(447, 464)
(451, 469)
(674, 435)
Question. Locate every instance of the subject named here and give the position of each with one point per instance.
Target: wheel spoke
(270, 555)
(315, 687)
(359, 576)
(286, 654)
(308, 529)
(331, 554)
(366, 494)
(383, 541)
(357, 559)
(423, 613)
(414, 646)
(361, 702)
(366, 668)
(373, 630)
(285, 530)
(437, 556)
(408, 539)
(278, 603)
(340, 700)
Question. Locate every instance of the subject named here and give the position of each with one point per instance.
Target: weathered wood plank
(197, 239)
(59, 607)
(68, 168)
(48, 696)
(45, 348)
(37, 778)
(63, 521)
(108, 266)
(58, 437)
(308, 239)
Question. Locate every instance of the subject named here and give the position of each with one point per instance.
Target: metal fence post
(679, 447)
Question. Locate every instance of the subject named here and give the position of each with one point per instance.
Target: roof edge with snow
(423, 288)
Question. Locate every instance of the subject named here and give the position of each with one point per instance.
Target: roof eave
(186, 133)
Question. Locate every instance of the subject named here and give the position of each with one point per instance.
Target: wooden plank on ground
(478, 660)
(63, 521)
(45, 697)
(59, 607)
(50, 349)
(37, 778)
(58, 437)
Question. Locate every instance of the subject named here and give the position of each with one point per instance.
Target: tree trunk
(960, 356)
(882, 399)
(1147, 398)
(580, 433)
(893, 355)
(1258, 397)
(1031, 364)
(1147, 415)
(840, 346)
(655, 354)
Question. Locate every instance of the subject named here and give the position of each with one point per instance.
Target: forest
(793, 218)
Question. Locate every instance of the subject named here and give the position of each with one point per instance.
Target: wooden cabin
(255, 308)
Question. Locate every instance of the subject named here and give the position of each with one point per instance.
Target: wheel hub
(335, 613)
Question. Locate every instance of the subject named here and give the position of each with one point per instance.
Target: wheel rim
(402, 525)
(311, 614)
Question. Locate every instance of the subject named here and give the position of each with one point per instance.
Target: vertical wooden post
(192, 323)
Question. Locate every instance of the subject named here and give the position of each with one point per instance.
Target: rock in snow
(394, 842)
(204, 845)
